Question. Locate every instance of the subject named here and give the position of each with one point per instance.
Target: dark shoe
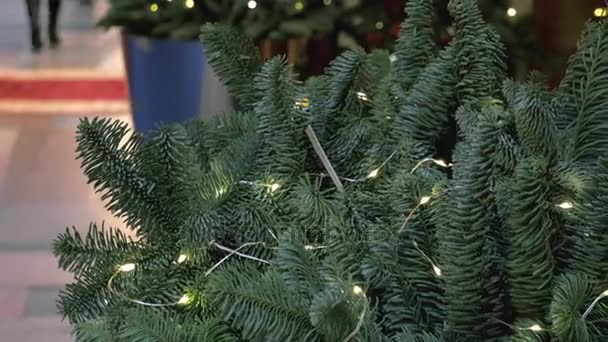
(36, 41)
(55, 40)
(53, 36)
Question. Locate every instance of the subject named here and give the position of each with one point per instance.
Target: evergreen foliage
(241, 235)
(182, 19)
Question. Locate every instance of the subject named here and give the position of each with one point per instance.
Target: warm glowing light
(441, 163)
(437, 270)
(436, 161)
(312, 248)
(127, 267)
(357, 290)
(374, 173)
(535, 327)
(252, 4)
(182, 258)
(274, 187)
(327, 2)
(600, 12)
(566, 205)
(189, 3)
(219, 192)
(511, 12)
(302, 103)
(425, 200)
(299, 5)
(363, 96)
(186, 299)
(153, 7)
(379, 25)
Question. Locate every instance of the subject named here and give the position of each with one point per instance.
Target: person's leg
(33, 7)
(54, 7)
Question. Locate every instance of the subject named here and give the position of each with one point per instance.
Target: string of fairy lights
(154, 6)
(271, 186)
(298, 5)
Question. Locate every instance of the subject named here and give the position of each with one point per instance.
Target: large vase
(165, 80)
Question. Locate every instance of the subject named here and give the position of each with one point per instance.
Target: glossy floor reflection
(42, 190)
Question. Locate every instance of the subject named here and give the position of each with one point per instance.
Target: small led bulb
(437, 270)
(127, 267)
(363, 96)
(600, 12)
(302, 103)
(252, 4)
(219, 192)
(425, 199)
(441, 163)
(535, 327)
(182, 258)
(357, 290)
(566, 205)
(274, 187)
(186, 299)
(374, 173)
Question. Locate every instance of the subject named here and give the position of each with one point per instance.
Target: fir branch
(589, 235)
(87, 298)
(297, 265)
(533, 231)
(475, 273)
(335, 312)
(276, 115)
(313, 205)
(259, 305)
(111, 166)
(151, 326)
(236, 60)
(349, 74)
(425, 115)
(93, 331)
(99, 248)
(534, 117)
(571, 292)
(421, 337)
(584, 109)
(480, 61)
(415, 46)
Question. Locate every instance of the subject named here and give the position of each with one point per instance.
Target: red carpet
(85, 89)
(59, 92)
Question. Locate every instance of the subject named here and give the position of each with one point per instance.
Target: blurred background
(140, 61)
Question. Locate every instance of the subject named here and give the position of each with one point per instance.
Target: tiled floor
(42, 189)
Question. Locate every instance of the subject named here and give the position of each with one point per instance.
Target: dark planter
(165, 80)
